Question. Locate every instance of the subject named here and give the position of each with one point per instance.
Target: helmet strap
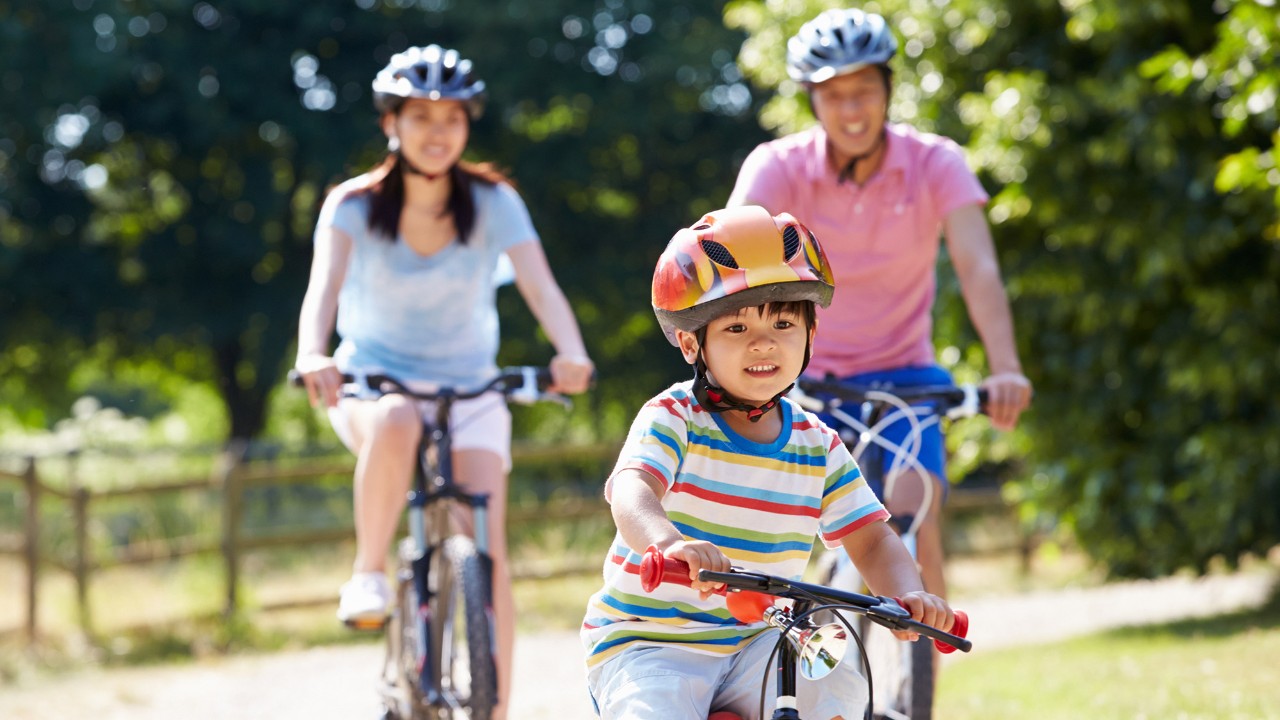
(850, 169)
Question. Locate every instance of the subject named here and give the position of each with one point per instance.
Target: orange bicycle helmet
(735, 258)
(732, 259)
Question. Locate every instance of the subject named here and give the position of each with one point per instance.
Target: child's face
(753, 355)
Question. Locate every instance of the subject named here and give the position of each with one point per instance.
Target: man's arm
(974, 256)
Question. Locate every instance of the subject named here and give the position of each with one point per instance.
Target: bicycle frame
(430, 523)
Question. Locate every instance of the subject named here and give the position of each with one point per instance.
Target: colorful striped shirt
(762, 504)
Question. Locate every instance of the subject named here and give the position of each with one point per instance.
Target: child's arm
(635, 500)
(888, 569)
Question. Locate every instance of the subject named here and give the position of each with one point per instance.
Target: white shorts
(482, 423)
(668, 683)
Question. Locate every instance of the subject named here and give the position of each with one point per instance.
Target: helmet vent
(790, 242)
(719, 254)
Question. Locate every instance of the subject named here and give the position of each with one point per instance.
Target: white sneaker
(364, 600)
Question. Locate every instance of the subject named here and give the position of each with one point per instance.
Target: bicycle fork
(421, 564)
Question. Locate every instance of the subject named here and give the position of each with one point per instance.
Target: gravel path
(335, 683)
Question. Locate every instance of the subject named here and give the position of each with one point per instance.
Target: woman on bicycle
(406, 257)
(879, 194)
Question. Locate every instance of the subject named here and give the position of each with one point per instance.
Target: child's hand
(928, 609)
(699, 555)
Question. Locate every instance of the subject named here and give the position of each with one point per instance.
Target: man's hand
(1008, 394)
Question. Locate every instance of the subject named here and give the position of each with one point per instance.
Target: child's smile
(755, 353)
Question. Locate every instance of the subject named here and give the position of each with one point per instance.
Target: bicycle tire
(902, 673)
(922, 680)
(462, 642)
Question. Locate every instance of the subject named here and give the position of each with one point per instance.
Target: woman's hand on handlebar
(321, 376)
(699, 555)
(928, 609)
(571, 374)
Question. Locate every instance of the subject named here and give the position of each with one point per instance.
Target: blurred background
(162, 164)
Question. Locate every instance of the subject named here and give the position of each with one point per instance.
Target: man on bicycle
(879, 194)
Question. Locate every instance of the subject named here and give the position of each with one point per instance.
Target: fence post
(232, 461)
(32, 547)
(80, 505)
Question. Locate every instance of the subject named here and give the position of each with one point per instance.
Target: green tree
(1131, 153)
(162, 162)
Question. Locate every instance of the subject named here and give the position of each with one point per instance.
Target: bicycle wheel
(402, 698)
(901, 675)
(462, 642)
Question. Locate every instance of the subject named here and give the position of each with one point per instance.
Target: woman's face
(432, 133)
(852, 111)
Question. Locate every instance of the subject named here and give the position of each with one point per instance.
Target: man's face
(852, 109)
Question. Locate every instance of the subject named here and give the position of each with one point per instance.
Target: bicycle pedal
(366, 624)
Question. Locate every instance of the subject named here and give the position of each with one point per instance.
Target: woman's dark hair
(386, 195)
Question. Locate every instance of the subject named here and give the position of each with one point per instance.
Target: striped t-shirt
(762, 504)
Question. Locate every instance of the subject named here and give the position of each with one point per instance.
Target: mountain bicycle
(906, 670)
(802, 647)
(440, 640)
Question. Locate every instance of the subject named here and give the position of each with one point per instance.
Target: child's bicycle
(813, 651)
(440, 638)
(905, 670)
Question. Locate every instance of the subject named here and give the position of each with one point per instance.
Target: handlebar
(524, 384)
(955, 401)
(749, 593)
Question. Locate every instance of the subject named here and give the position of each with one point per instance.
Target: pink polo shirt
(881, 238)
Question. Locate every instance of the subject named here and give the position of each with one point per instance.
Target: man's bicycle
(905, 671)
(440, 638)
(803, 647)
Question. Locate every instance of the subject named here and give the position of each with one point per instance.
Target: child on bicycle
(724, 470)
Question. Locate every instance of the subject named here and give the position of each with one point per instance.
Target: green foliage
(161, 165)
(1131, 153)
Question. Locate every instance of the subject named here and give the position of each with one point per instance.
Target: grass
(1222, 667)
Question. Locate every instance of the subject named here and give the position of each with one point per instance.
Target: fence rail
(232, 476)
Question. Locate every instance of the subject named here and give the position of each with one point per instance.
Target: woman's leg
(483, 471)
(385, 433)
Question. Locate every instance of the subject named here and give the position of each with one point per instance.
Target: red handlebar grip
(960, 629)
(656, 569)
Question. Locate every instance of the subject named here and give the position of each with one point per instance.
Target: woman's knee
(395, 419)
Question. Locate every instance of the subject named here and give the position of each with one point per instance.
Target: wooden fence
(232, 476)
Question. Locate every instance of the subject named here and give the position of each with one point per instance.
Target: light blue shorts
(669, 683)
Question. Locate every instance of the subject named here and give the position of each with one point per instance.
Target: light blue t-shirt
(425, 318)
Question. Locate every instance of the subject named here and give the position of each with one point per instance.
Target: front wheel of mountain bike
(462, 632)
